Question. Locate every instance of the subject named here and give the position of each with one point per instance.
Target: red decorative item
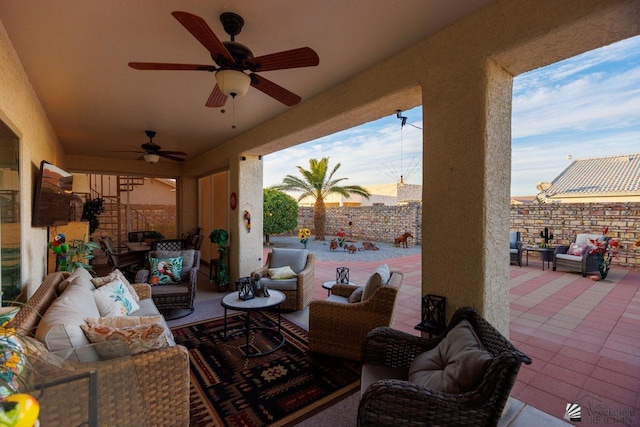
(247, 217)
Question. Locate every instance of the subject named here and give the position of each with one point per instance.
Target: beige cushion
(82, 298)
(281, 273)
(115, 274)
(114, 299)
(356, 296)
(59, 328)
(380, 277)
(79, 276)
(456, 365)
(124, 321)
(139, 339)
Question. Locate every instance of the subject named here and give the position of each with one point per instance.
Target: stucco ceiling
(75, 54)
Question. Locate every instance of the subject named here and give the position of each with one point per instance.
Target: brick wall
(370, 223)
(565, 220)
(385, 223)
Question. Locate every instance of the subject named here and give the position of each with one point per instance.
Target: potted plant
(80, 254)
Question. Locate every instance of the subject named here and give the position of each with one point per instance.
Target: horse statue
(402, 240)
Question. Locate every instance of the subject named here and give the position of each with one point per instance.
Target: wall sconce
(80, 184)
(244, 285)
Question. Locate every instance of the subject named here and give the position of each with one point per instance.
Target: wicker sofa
(584, 262)
(150, 388)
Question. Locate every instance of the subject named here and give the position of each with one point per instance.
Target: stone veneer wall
(385, 223)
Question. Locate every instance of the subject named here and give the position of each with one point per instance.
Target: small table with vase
(234, 302)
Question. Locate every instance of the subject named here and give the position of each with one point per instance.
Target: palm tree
(315, 183)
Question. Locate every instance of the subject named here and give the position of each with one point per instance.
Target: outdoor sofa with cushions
(576, 256)
(462, 377)
(55, 315)
(296, 281)
(338, 324)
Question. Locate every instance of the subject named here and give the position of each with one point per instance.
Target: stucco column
(186, 205)
(245, 179)
(467, 174)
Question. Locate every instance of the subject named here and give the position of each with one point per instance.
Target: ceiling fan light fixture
(151, 158)
(233, 82)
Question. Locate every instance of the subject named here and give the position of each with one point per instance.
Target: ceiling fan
(152, 151)
(233, 59)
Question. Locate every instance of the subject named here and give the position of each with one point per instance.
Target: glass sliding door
(9, 215)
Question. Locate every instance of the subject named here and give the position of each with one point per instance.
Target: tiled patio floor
(583, 336)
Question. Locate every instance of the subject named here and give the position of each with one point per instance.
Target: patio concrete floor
(582, 335)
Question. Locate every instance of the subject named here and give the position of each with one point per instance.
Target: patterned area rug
(281, 388)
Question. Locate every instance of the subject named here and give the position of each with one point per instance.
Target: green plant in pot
(91, 212)
(80, 254)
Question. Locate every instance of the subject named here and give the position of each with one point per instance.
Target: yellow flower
(13, 361)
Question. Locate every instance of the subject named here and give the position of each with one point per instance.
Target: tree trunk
(266, 240)
(319, 218)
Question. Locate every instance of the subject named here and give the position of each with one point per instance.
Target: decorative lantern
(433, 315)
(342, 275)
(244, 285)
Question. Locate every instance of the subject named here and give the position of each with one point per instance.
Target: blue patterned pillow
(165, 271)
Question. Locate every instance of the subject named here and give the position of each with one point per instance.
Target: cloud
(586, 106)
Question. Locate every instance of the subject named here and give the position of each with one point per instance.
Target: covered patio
(582, 335)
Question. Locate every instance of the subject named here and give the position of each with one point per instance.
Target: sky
(583, 107)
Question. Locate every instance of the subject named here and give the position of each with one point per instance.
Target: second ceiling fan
(233, 59)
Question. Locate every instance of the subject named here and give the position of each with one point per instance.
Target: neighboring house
(392, 194)
(597, 180)
(523, 200)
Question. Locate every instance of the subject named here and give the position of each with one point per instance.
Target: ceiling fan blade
(123, 151)
(169, 156)
(217, 98)
(201, 31)
(296, 58)
(178, 153)
(163, 66)
(273, 90)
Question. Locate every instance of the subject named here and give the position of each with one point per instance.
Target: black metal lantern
(244, 285)
(342, 275)
(433, 315)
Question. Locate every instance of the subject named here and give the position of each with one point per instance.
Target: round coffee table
(329, 285)
(275, 299)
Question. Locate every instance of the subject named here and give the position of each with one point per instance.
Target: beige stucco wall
(21, 111)
(461, 76)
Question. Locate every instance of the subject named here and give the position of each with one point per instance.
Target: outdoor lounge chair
(577, 258)
(482, 374)
(298, 284)
(515, 247)
(175, 300)
(338, 326)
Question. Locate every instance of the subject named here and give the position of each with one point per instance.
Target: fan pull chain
(233, 112)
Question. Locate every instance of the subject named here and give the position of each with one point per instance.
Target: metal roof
(615, 174)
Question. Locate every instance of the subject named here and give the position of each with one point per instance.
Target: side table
(546, 254)
(274, 300)
(329, 285)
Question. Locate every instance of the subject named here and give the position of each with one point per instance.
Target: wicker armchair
(177, 297)
(584, 263)
(397, 402)
(515, 247)
(338, 328)
(298, 290)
